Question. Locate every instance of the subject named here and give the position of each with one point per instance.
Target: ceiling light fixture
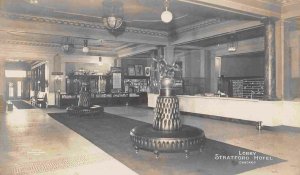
(113, 14)
(233, 43)
(33, 1)
(68, 45)
(112, 22)
(166, 16)
(85, 48)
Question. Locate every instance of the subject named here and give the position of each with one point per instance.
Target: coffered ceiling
(58, 39)
(238, 35)
(143, 14)
(47, 23)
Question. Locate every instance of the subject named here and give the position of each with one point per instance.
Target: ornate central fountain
(84, 107)
(167, 134)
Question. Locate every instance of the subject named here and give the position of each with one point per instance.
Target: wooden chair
(40, 100)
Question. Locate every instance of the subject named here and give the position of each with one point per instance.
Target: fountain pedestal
(167, 134)
(84, 107)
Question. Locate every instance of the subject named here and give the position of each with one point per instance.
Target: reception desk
(113, 99)
(270, 113)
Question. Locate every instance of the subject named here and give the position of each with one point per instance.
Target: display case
(102, 99)
(134, 84)
(75, 79)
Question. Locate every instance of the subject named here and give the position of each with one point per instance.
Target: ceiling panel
(137, 13)
(57, 39)
(144, 14)
(240, 35)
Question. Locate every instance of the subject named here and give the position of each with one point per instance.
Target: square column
(2, 86)
(270, 60)
(169, 54)
(286, 60)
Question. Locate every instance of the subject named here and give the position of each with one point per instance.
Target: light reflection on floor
(34, 143)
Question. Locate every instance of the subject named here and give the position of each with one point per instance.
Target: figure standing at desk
(221, 86)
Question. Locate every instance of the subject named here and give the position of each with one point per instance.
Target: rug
(111, 134)
(20, 104)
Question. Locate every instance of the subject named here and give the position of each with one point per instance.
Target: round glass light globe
(166, 16)
(85, 49)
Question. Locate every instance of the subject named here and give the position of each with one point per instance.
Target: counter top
(271, 113)
(220, 98)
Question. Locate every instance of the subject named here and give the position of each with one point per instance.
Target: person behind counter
(221, 86)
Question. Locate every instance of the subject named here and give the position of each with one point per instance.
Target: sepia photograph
(139, 70)
(131, 70)
(149, 87)
(147, 71)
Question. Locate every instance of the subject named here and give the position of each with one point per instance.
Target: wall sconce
(57, 78)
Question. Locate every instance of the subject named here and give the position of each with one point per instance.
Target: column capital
(269, 20)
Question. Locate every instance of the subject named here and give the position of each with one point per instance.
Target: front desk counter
(65, 100)
(270, 113)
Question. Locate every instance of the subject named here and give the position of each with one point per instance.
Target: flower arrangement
(166, 70)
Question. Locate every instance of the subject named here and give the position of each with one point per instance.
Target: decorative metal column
(270, 60)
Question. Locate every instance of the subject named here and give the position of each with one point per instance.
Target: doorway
(17, 85)
(16, 89)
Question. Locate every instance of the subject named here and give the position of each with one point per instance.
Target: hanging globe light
(166, 16)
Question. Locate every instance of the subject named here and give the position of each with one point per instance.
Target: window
(11, 89)
(15, 73)
(19, 89)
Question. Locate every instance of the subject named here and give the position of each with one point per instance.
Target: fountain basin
(186, 139)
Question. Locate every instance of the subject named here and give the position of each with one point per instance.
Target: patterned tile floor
(31, 142)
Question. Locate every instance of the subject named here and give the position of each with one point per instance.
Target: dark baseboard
(214, 117)
(282, 128)
(52, 106)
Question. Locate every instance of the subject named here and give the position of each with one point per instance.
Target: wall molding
(199, 25)
(126, 52)
(30, 43)
(78, 23)
(238, 7)
(287, 2)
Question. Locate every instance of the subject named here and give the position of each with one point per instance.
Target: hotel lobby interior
(150, 87)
